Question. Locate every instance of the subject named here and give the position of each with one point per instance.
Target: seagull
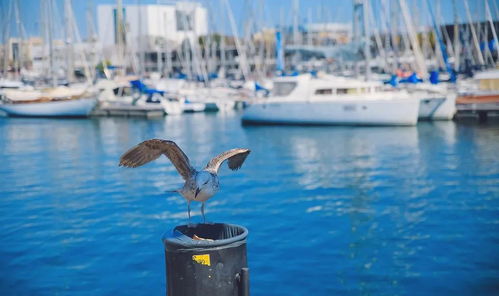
(199, 185)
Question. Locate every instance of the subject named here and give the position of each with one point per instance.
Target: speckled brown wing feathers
(235, 158)
(152, 149)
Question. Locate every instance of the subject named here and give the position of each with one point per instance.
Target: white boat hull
(342, 112)
(172, 107)
(194, 107)
(62, 108)
(438, 107)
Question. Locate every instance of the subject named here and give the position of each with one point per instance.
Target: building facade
(151, 28)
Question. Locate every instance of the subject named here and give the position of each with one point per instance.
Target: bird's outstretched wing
(152, 149)
(236, 158)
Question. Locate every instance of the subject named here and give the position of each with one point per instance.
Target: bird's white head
(206, 185)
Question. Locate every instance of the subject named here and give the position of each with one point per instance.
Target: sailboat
(54, 101)
(51, 102)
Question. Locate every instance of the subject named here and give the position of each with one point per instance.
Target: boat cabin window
(123, 91)
(283, 88)
(324, 91)
(344, 91)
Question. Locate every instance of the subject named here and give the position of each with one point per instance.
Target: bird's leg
(189, 211)
(202, 212)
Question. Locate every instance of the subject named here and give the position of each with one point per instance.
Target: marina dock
(124, 110)
(478, 105)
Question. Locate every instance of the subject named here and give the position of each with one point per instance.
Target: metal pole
(367, 39)
(457, 49)
(119, 39)
(473, 34)
(244, 282)
(50, 26)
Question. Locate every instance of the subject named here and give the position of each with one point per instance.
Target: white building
(148, 25)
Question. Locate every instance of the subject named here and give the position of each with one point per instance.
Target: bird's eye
(205, 183)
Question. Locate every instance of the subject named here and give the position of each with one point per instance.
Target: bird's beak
(197, 192)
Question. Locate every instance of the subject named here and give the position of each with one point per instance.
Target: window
(324, 91)
(184, 21)
(283, 88)
(342, 91)
(122, 91)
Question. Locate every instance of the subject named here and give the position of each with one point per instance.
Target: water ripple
(390, 211)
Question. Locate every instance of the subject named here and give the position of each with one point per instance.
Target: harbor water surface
(330, 210)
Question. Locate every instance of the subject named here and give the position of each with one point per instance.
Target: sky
(268, 13)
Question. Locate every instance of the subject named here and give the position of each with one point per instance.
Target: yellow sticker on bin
(203, 259)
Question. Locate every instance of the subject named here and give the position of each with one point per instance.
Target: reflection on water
(331, 210)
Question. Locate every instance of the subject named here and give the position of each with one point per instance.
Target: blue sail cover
(291, 74)
(411, 79)
(259, 87)
(492, 45)
(139, 85)
(151, 91)
(279, 52)
(180, 75)
(434, 77)
(392, 81)
(453, 76)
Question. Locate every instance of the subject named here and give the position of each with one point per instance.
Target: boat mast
(439, 52)
(50, 26)
(223, 62)
(119, 39)
(420, 63)
(168, 58)
(357, 10)
(367, 39)
(361, 34)
(242, 54)
(385, 28)
(442, 53)
(260, 57)
(69, 40)
(473, 34)
(394, 36)
(20, 31)
(492, 27)
(6, 34)
(159, 43)
(76, 38)
(92, 37)
(457, 49)
(296, 7)
(140, 39)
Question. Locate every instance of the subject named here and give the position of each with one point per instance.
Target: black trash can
(213, 263)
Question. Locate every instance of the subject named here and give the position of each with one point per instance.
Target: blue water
(330, 210)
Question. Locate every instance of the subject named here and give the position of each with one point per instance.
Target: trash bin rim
(180, 241)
